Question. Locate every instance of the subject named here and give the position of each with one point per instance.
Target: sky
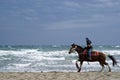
(59, 22)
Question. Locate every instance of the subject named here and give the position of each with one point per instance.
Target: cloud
(65, 14)
(93, 21)
(70, 24)
(71, 4)
(104, 3)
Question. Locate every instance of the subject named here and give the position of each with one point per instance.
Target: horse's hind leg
(108, 66)
(102, 67)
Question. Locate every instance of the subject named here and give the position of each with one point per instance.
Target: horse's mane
(80, 47)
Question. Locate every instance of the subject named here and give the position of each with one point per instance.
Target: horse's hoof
(109, 71)
(78, 70)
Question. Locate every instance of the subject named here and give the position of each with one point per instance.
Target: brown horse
(96, 56)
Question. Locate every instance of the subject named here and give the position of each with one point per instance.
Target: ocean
(22, 58)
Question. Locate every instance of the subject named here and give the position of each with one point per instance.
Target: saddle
(93, 53)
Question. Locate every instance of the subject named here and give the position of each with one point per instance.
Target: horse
(95, 56)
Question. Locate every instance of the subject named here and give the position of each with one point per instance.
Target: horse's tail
(113, 59)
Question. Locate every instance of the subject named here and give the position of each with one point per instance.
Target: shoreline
(59, 75)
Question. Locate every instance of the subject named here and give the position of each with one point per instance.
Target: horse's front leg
(77, 64)
(81, 62)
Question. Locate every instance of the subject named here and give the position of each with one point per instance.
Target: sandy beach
(59, 76)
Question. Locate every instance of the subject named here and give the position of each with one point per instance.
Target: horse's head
(74, 48)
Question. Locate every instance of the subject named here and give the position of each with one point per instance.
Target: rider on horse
(89, 48)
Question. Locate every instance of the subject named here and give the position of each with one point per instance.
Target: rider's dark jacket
(88, 43)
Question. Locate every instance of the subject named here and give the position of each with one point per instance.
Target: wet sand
(59, 76)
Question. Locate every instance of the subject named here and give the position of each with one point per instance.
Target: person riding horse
(89, 48)
(97, 56)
